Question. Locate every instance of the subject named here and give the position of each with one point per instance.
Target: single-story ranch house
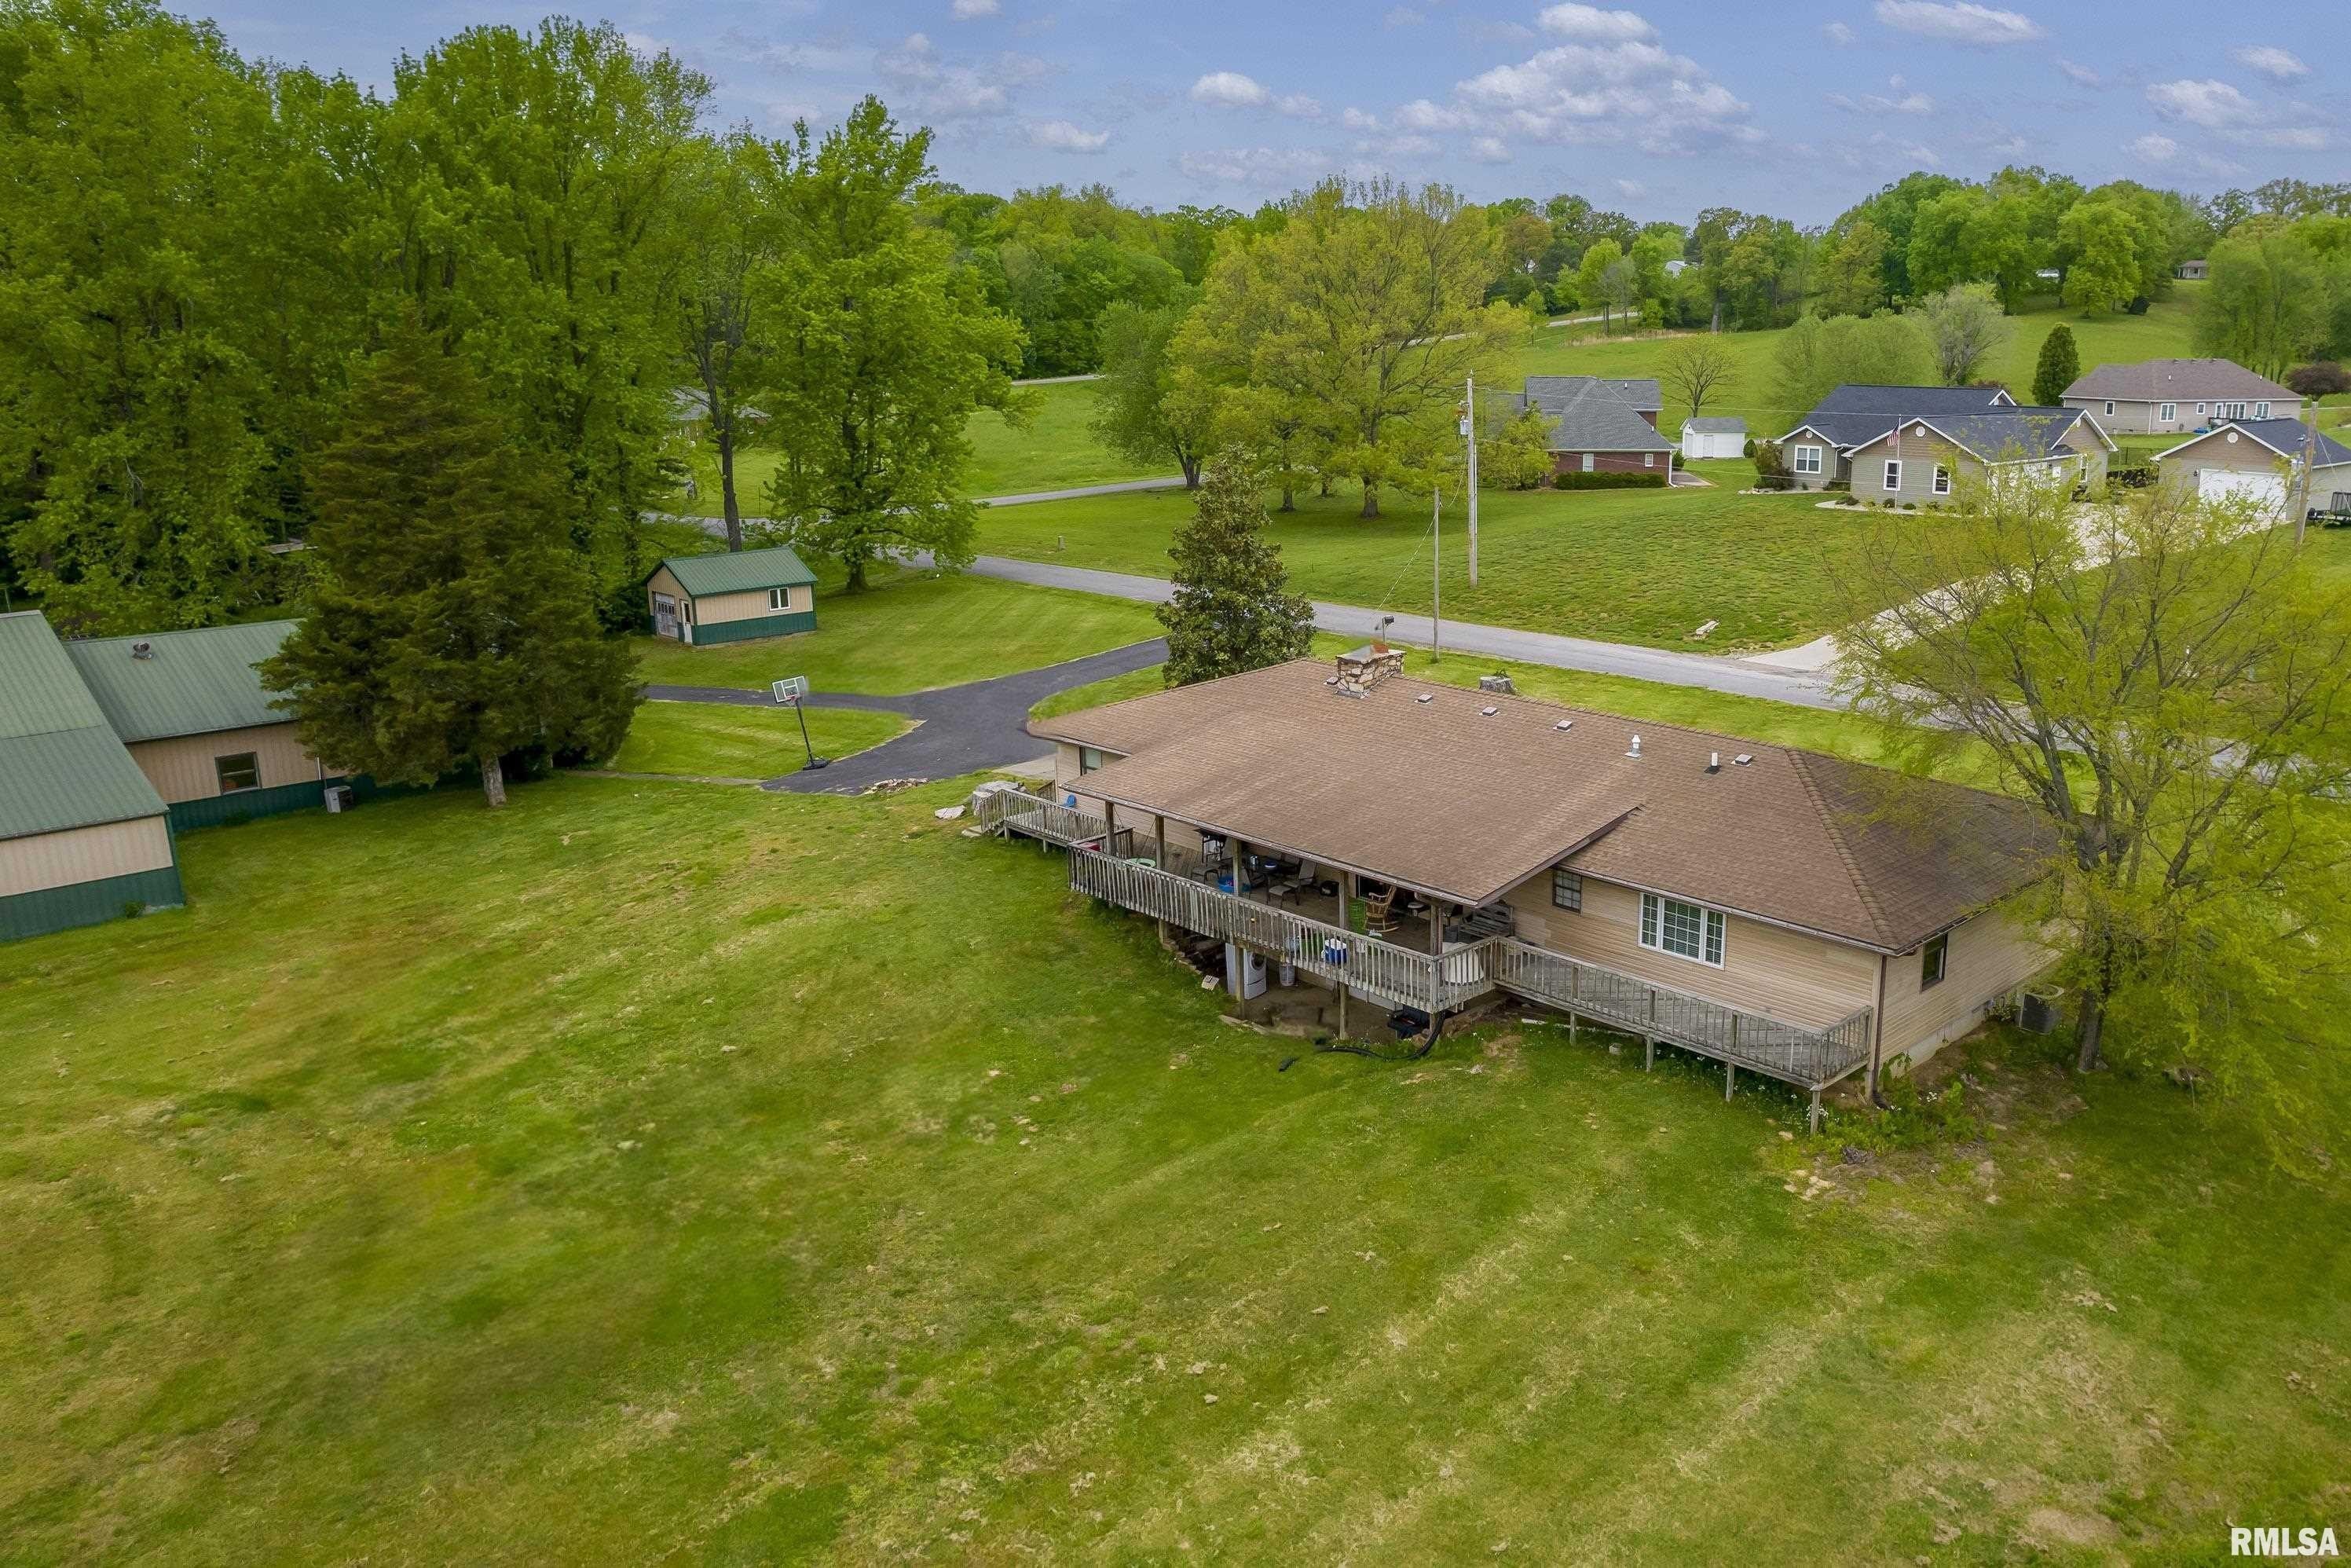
(1602, 425)
(1912, 445)
(2170, 397)
(108, 746)
(731, 596)
(1773, 909)
(2260, 458)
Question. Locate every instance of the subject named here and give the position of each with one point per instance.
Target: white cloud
(1840, 34)
(1590, 25)
(1061, 136)
(2215, 105)
(936, 88)
(2156, 147)
(2220, 168)
(972, 10)
(1631, 190)
(1255, 166)
(1875, 103)
(1628, 92)
(1355, 119)
(1964, 23)
(1229, 90)
(1491, 150)
(1398, 147)
(1499, 32)
(2080, 76)
(2297, 138)
(1298, 106)
(1404, 17)
(1420, 114)
(2271, 61)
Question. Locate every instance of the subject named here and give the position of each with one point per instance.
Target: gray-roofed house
(730, 596)
(1707, 437)
(2173, 397)
(1913, 445)
(2261, 459)
(1606, 424)
(1771, 908)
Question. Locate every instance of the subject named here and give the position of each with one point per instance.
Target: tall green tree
(2102, 241)
(883, 349)
(732, 200)
(2267, 303)
(1853, 270)
(1964, 327)
(1232, 609)
(2059, 367)
(450, 620)
(1814, 357)
(1145, 407)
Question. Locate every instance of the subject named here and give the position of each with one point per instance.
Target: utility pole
(2309, 429)
(1437, 574)
(1470, 432)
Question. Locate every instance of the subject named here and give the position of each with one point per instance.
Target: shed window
(779, 599)
(1686, 930)
(1894, 474)
(1566, 889)
(242, 771)
(1934, 962)
(1808, 460)
(1942, 480)
(2166, 412)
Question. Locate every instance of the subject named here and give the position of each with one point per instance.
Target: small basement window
(240, 772)
(779, 599)
(1935, 961)
(1566, 889)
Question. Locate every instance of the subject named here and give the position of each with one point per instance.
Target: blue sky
(1796, 109)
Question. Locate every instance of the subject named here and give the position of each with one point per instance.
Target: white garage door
(2221, 484)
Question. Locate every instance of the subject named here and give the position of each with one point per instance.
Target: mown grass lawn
(656, 1170)
(715, 740)
(1627, 566)
(910, 632)
(1055, 450)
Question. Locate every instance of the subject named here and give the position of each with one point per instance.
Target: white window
(1587, 462)
(779, 599)
(2166, 412)
(1648, 460)
(1686, 930)
(1942, 480)
(2110, 407)
(2260, 410)
(2200, 411)
(1808, 460)
(1893, 474)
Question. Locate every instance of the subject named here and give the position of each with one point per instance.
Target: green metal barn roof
(741, 572)
(191, 683)
(61, 764)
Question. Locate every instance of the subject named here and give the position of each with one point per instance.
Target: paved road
(717, 527)
(1713, 672)
(959, 730)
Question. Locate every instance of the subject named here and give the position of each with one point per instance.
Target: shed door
(2222, 484)
(664, 615)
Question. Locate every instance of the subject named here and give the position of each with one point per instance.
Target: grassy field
(1054, 450)
(711, 740)
(609, 1190)
(913, 632)
(1630, 566)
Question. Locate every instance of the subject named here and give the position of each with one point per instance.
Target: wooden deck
(1308, 932)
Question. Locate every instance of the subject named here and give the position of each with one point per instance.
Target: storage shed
(83, 834)
(1713, 438)
(730, 597)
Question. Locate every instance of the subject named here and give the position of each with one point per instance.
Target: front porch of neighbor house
(1425, 961)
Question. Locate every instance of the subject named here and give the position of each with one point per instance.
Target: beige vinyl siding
(83, 854)
(1769, 969)
(1920, 457)
(2229, 449)
(182, 769)
(2133, 417)
(662, 582)
(2083, 441)
(718, 609)
(1990, 955)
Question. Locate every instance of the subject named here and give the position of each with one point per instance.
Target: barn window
(779, 599)
(242, 771)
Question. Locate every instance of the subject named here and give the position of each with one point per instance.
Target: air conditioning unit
(2038, 1013)
(339, 798)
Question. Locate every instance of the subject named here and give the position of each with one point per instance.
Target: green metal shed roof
(742, 571)
(191, 683)
(61, 764)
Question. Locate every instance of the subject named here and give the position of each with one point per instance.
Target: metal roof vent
(1489, 712)
(1636, 747)
(1714, 762)
(1426, 696)
(1743, 759)
(142, 650)
(1564, 724)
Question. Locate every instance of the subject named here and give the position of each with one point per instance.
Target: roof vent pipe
(1714, 762)
(1636, 747)
(142, 650)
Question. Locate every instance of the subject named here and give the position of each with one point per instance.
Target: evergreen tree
(450, 618)
(1231, 610)
(2059, 368)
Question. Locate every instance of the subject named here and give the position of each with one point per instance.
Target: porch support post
(1814, 1123)
(1239, 851)
(1159, 839)
(1649, 1053)
(1346, 923)
(1730, 1078)
(1110, 829)
(1436, 926)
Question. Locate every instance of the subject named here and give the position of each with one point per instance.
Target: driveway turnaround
(958, 729)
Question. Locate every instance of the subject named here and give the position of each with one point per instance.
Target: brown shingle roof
(1445, 798)
(2169, 381)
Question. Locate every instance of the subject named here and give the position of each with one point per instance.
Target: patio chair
(1379, 913)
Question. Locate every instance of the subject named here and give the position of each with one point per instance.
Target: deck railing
(1038, 817)
(1809, 1057)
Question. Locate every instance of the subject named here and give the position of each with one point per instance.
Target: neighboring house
(1703, 438)
(1774, 909)
(2190, 269)
(2260, 458)
(110, 745)
(2171, 397)
(1915, 444)
(1602, 425)
(730, 596)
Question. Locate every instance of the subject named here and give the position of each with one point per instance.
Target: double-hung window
(1566, 889)
(237, 773)
(1934, 962)
(1648, 460)
(2260, 410)
(1942, 480)
(1587, 462)
(779, 599)
(2110, 408)
(1894, 474)
(1808, 460)
(2166, 412)
(1686, 930)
